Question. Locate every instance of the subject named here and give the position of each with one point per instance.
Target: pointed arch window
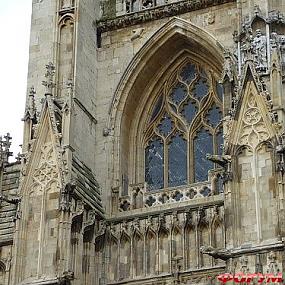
(184, 125)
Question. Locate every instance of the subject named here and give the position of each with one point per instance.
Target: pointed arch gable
(175, 36)
(46, 132)
(176, 40)
(251, 99)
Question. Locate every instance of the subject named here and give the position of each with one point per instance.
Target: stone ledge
(156, 13)
(258, 248)
(154, 279)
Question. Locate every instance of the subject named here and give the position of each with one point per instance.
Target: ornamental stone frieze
(149, 11)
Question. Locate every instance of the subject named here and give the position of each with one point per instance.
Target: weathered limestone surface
(78, 209)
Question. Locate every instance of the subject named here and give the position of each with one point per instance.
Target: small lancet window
(184, 125)
(177, 160)
(154, 156)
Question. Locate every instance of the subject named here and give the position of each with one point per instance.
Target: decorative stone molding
(156, 13)
(179, 194)
(126, 238)
(253, 129)
(142, 198)
(272, 265)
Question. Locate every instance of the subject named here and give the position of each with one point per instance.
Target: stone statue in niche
(281, 43)
(278, 42)
(247, 46)
(260, 51)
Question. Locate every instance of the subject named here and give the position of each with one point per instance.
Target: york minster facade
(154, 144)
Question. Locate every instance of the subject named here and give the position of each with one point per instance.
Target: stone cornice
(156, 13)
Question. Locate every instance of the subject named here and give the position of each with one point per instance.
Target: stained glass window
(185, 124)
(203, 144)
(154, 156)
(177, 161)
(179, 93)
(189, 110)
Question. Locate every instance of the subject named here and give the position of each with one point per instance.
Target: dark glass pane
(177, 159)
(165, 126)
(154, 164)
(188, 73)
(214, 116)
(201, 89)
(189, 110)
(220, 90)
(179, 93)
(157, 107)
(203, 144)
(220, 141)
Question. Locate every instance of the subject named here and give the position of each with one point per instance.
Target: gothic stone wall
(117, 49)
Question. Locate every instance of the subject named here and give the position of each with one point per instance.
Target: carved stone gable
(46, 170)
(40, 204)
(253, 128)
(253, 124)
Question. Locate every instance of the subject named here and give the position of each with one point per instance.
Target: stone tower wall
(84, 214)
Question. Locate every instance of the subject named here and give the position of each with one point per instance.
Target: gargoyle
(219, 253)
(222, 160)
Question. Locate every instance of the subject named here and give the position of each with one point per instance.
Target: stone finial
(49, 82)
(31, 111)
(19, 157)
(5, 149)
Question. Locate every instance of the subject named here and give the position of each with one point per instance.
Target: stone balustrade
(141, 197)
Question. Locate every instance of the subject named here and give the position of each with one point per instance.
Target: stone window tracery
(184, 125)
